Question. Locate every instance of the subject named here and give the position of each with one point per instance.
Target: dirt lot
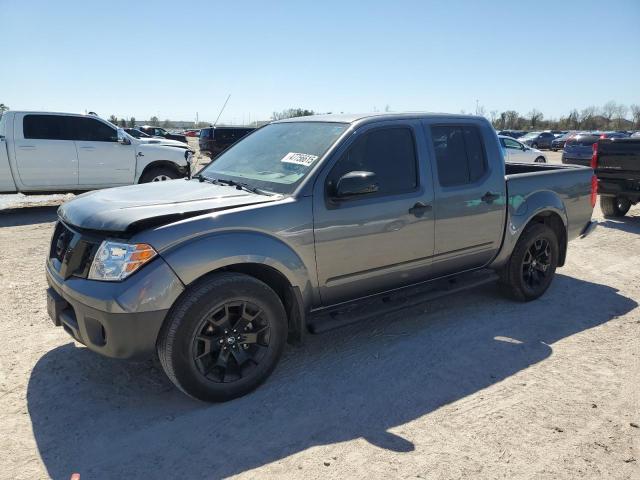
(472, 386)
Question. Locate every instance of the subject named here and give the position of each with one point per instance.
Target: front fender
(196, 258)
(521, 210)
(147, 154)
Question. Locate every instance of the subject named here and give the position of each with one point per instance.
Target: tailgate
(619, 156)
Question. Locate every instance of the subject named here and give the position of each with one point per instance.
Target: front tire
(158, 174)
(223, 338)
(540, 160)
(534, 145)
(614, 206)
(533, 262)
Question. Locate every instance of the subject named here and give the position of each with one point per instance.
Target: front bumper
(115, 319)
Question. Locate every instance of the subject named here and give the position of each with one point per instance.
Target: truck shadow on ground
(629, 224)
(106, 418)
(15, 217)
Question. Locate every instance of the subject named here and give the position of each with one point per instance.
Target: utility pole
(477, 105)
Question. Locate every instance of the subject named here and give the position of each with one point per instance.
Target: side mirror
(122, 137)
(356, 183)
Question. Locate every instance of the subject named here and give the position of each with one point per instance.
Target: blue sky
(173, 59)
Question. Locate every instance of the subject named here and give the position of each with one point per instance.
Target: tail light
(604, 135)
(594, 190)
(594, 156)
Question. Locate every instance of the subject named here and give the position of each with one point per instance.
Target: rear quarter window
(206, 133)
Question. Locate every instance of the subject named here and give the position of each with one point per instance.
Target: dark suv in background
(578, 150)
(214, 140)
(161, 132)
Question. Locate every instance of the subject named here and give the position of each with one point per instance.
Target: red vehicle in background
(191, 133)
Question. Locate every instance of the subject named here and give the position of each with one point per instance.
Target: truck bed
(565, 187)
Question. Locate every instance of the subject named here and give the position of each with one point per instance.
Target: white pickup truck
(63, 152)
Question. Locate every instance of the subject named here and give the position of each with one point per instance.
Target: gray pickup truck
(303, 225)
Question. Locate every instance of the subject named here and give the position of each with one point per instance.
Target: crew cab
(64, 152)
(303, 225)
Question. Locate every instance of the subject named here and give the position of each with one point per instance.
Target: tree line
(611, 115)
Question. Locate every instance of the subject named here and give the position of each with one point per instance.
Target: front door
(470, 197)
(381, 240)
(102, 160)
(515, 150)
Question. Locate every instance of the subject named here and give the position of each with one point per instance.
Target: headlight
(115, 261)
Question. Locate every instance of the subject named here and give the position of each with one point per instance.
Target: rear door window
(460, 156)
(46, 127)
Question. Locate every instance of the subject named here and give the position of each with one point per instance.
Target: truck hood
(163, 141)
(136, 207)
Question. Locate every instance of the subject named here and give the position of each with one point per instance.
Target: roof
(357, 117)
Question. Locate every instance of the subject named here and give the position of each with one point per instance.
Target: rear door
(470, 190)
(102, 160)
(44, 151)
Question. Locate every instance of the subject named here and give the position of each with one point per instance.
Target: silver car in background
(517, 152)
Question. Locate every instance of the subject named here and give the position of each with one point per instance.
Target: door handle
(489, 197)
(140, 154)
(419, 209)
(27, 147)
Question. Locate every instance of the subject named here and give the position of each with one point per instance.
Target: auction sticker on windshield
(304, 159)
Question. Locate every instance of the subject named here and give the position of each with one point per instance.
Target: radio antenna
(222, 109)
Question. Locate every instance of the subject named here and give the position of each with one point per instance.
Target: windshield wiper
(232, 183)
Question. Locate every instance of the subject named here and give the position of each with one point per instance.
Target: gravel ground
(473, 386)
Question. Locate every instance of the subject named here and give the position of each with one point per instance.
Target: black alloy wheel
(223, 337)
(532, 265)
(230, 341)
(536, 263)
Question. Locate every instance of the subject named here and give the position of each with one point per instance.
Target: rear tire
(223, 337)
(159, 174)
(614, 206)
(532, 265)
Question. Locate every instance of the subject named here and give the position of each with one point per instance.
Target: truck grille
(71, 252)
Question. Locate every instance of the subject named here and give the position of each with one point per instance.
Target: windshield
(276, 157)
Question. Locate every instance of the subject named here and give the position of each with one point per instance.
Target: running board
(385, 303)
